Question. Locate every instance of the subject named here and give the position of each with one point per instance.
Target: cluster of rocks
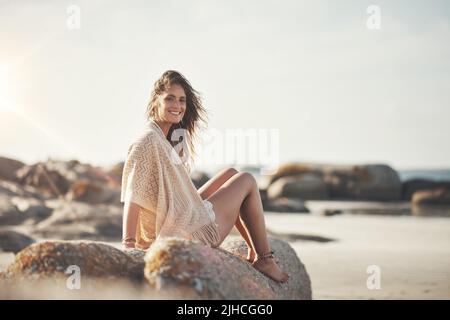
(294, 183)
(61, 200)
(172, 269)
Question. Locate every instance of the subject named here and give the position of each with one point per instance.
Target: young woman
(160, 202)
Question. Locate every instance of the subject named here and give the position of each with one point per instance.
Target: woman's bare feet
(267, 265)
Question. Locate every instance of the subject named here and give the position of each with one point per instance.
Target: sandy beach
(412, 252)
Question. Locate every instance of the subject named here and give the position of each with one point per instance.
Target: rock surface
(435, 202)
(50, 259)
(8, 168)
(373, 182)
(183, 269)
(22, 210)
(284, 204)
(78, 220)
(410, 187)
(307, 186)
(172, 269)
(439, 196)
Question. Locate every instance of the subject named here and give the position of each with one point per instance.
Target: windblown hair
(194, 115)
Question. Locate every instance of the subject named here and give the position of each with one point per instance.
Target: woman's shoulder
(146, 139)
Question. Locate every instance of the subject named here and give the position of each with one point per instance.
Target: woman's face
(172, 104)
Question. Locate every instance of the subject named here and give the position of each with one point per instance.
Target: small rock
(12, 241)
(8, 169)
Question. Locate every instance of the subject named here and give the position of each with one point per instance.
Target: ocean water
(430, 174)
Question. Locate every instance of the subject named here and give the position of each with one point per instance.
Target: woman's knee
(230, 171)
(248, 179)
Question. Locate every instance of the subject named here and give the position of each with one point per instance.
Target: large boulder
(186, 270)
(19, 204)
(435, 202)
(48, 182)
(439, 196)
(373, 182)
(11, 189)
(13, 241)
(285, 205)
(293, 169)
(8, 168)
(54, 178)
(377, 182)
(308, 186)
(78, 220)
(409, 187)
(17, 210)
(172, 269)
(51, 259)
(93, 192)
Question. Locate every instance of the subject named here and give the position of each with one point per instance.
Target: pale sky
(337, 91)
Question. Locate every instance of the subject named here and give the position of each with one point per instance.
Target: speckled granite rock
(50, 259)
(172, 269)
(185, 270)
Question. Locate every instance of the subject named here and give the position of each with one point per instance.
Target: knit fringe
(208, 234)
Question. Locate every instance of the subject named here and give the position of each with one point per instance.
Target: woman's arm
(130, 217)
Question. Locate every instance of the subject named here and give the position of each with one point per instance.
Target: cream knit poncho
(155, 178)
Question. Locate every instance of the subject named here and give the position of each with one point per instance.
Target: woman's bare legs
(212, 186)
(240, 194)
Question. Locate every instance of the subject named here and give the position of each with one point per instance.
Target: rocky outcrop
(12, 241)
(434, 202)
(11, 189)
(308, 186)
(48, 182)
(93, 192)
(409, 187)
(363, 182)
(8, 169)
(51, 259)
(172, 269)
(186, 270)
(294, 169)
(55, 178)
(284, 204)
(22, 210)
(439, 196)
(78, 220)
(374, 182)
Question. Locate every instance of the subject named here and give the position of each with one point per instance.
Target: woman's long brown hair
(195, 112)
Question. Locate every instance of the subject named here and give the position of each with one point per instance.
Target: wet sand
(413, 254)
